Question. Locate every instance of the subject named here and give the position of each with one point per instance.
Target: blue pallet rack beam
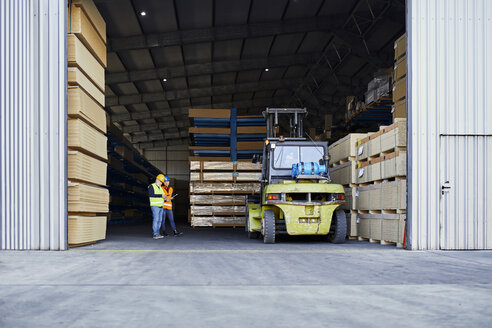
(233, 134)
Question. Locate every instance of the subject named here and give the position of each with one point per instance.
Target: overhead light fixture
(143, 13)
(266, 69)
(164, 79)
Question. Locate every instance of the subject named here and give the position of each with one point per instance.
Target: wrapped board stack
(218, 191)
(88, 196)
(400, 78)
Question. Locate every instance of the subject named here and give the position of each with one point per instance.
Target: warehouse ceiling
(166, 56)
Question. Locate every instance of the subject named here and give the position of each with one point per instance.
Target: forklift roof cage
(296, 116)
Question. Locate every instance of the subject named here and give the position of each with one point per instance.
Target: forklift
(296, 195)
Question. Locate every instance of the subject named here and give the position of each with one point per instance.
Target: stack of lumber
(343, 170)
(88, 196)
(218, 191)
(221, 134)
(381, 184)
(399, 77)
(129, 175)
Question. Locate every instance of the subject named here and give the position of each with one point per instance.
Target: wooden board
(400, 46)
(79, 56)
(224, 166)
(93, 15)
(86, 229)
(195, 130)
(83, 137)
(80, 105)
(400, 90)
(400, 69)
(217, 199)
(351, 224)
(250, 145)
(209, 113)
(87, 199)
(350, 199)
(369, 197)
(345, 147)
(82, 167)
(394, 195)
(251, 130)
(224, 188)
(80, 25)
(77, 78)
(221, 176)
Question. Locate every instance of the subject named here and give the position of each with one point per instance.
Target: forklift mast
(295, 116)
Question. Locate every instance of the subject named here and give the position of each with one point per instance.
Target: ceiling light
(164, 79)
(266, 69)
(143, 13)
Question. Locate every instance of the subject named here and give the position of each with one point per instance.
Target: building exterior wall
(449, 46)
(33, 191)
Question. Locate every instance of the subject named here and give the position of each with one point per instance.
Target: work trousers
(169, 214)
(156, 219)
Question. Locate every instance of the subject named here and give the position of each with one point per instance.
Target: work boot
(177, 233)
(158, 236)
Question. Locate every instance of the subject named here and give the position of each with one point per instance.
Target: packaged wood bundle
(344, 174)
(217, 199)
(224, 166)
(93, 15)
(82, 167)
(400, 46)
(87, 199)
(345, 148)
(83, 137)
(216, 210)
(369, 197)
(221, 176)
(85, 229)
(382, 227)
(79, 56)
(75, 77)
(80, 105)
(400, 90)
(394, 195)
(394, 165)
(400, 69)
(394, 136)
(399, 110)
(350, 199)
(80, 25)
(351, 224)
(217, 221)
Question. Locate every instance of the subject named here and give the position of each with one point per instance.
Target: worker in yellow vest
(168, 208)
(156, 196)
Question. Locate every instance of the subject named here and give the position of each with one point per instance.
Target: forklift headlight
(337, 197)
(273, 196)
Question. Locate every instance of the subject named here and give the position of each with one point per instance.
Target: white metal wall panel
(449, 46)
(466, 221)
(33, 192)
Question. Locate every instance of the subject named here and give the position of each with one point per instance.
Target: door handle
(445, 187)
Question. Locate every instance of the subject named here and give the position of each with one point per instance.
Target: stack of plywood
(399, 109)
(218, 191)
(381, 184)
(343, 171)
(88, 196)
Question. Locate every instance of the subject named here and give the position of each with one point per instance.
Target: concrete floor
(219, 278)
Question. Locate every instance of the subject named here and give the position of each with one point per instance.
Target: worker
(156, 196)
(168, 208)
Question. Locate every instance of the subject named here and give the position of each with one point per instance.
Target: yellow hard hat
(161, 177)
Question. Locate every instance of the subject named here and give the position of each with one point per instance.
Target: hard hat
(166, 178)
(162, 177)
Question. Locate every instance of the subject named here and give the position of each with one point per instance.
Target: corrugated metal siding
(33, 193)
(449, 84)
(466, 222)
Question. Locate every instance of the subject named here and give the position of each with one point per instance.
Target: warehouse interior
(165, 57)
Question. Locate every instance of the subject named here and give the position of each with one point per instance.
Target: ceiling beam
(202, 92)
(212, 68)
(221, 33)
(250, 103)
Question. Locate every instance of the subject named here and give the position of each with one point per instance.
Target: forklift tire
(269, 227)
(338, 229)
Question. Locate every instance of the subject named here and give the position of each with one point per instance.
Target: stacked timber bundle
(218, 191)
(343, 170)
(88, 196)
(221, 134)
(381, 184)
(129, 175)
(400, 80)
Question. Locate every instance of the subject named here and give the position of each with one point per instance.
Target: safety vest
(157, 201)
(168, 205)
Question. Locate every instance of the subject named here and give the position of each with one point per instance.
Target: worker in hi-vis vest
(168, 208)
(156, 196)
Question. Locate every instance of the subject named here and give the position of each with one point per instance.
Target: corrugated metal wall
(449, 93)
(33, 194)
